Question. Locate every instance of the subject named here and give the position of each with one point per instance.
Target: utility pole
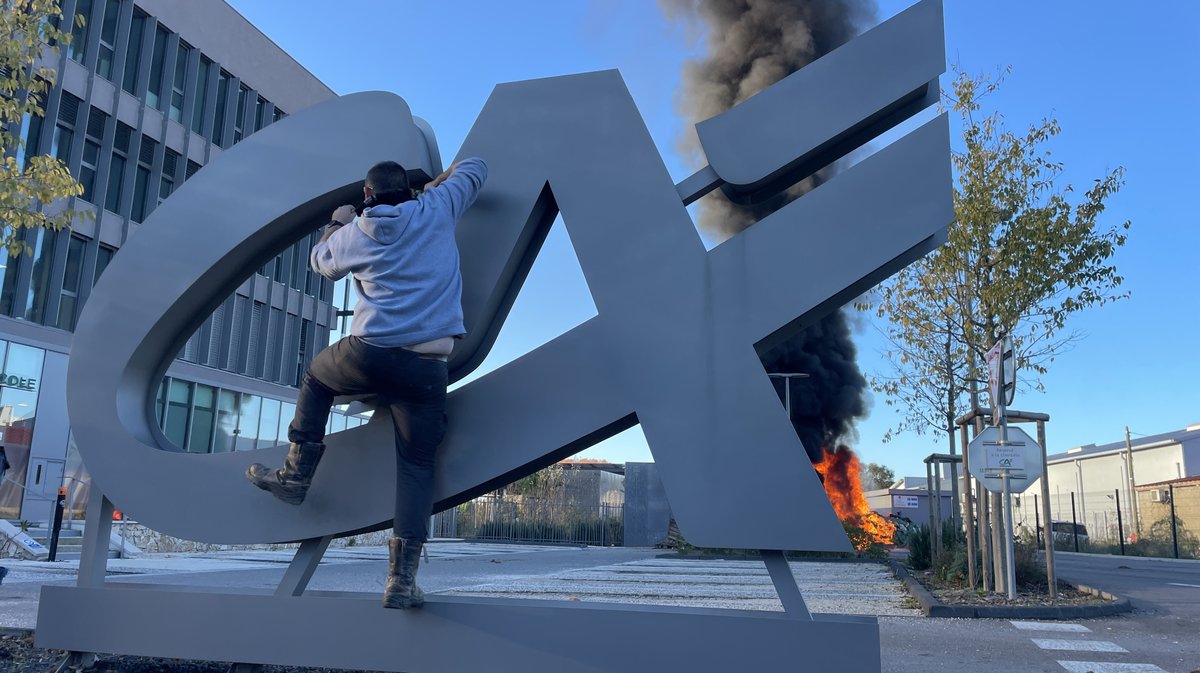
(1137, 519)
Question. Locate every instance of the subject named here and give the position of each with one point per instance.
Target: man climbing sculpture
(404, 259)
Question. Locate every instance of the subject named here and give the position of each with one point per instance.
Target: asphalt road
(1161, 634)
(1160, 587)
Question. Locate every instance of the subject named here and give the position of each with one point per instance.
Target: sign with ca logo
(1020, 456)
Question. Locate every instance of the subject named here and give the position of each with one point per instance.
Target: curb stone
(933, 608)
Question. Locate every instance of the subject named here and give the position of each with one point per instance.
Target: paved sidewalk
(612, 575)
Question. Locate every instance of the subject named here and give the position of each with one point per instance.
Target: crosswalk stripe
(1050, 626)
(1078, 645)
(1108, 667)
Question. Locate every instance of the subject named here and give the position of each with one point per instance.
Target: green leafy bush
(919, 556)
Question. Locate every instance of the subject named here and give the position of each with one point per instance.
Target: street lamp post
(787, 389)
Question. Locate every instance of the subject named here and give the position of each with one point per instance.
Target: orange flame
(840, 471)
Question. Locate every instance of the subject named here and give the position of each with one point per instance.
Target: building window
(108, 38)
(60, 144)
(31, 136)
(223, 81)
(200, 95)
(79, 33)
(260, 113)
(268, 423)
(157, 63)
(93, 138)
(312, 283)
(170, 166)
(8, 288)
(240, 114)
(203, 416)
(69, 300)
(181, 66)
(18, 421)
(87, 170)
(285, 419)
(64, 130)
(116, 168)
(141, 183)
(133, 53)
(104, 255)
(227, 422)
(39, 282)
(300, 253)
(279, 114)
(116, 181)
(247, 429)
(179, 408)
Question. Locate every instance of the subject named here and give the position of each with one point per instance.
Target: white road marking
(1078, 645)
(1181, 584)
(1050, 626)
(1108, 667)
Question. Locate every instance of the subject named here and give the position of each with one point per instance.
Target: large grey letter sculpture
(731, 464)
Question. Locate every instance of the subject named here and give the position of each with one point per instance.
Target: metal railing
(527, 519)
(1162, 523)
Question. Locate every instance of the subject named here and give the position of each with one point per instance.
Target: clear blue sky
(1123, 80)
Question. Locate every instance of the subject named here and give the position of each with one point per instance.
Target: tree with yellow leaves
(29, 35)
(1025, 254)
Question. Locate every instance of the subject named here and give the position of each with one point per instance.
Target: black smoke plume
(824, 405)
(752, 44)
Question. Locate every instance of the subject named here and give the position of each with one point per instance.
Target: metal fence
(1160, 521)
(525, 519)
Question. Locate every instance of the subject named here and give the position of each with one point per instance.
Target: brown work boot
(289, 483)
(403, 558)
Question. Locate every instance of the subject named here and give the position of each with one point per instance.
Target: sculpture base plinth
(448, 635)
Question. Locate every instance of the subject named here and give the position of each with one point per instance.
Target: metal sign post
(1009, 551)
(1005, 465)
(1002, 376)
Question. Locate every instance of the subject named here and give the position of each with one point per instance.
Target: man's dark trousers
(411, 386)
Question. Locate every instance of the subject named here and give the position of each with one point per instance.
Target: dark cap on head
(387, 177)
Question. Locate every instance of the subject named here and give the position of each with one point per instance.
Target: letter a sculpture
(731, 464)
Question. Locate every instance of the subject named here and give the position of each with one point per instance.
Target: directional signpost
(1005, 460)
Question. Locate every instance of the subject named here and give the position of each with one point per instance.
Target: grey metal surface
(302, 567)
(785, 584)
(260, 196)
(708, 411)
(836, 104)
(729, 460)
(504, 635)
(647, 512)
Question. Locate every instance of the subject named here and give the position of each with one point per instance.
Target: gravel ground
(18, 655)
(828, 587)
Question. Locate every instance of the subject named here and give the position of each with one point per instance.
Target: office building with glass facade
(148, 93)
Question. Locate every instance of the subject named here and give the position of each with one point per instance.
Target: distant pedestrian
(3, 470)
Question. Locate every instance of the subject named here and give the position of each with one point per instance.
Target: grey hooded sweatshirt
(405, 263)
